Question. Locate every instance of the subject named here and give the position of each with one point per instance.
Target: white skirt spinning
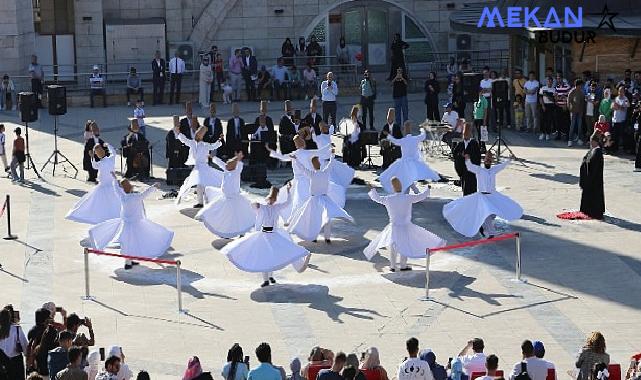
(307, 221)
(141, 237)
(227, 216)
(407, 171)
(100, 204)
(300, 193)
(202, 174)
(340, 173)
(265, 251)
(467, 214)
(408, 240)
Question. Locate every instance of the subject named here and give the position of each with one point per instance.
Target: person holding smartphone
(13, 342)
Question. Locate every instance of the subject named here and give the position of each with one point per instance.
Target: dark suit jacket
(396, 131)
(251, 69)
(233, 141)
(214, 130)
(286, 126)
(86, 158)
(185, 128)
(468, 178)
(268, 121)
(156, 69)
(313, 122)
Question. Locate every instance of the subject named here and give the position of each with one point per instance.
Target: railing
(495, 59)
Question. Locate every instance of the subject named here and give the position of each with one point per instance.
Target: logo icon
(606, 18)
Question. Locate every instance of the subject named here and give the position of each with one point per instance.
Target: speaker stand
(29, 161)
(53, 159)
(368, 159)
(499, 140)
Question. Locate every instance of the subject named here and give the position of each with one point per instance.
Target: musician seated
(175, 151)
(287, 128)
(306, 132)
(135, 148)
(263, 135)
(450, 116)
(352, 147)
(455, 133)
(389, 151)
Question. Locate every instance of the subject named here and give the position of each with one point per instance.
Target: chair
(551, 374)
(314, 369)
(615, 371)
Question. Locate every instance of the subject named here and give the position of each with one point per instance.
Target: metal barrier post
(8, 206)
(151, 161)
(87, 291)
(427, 275)
(518, 256)
(179, 288)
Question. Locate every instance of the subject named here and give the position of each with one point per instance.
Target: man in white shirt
(450, 116)
(176, 71)
(280, 80)
(531, 89)
(536, 368)
(486, 90)
(472, 356)
(329, 91)
(548, 105)
(413, 368)
(539, 352)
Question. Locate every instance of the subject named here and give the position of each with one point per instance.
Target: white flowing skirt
(307, 221)
(265, 251)
(340, 173)
(227, 216)
(141, 237)
(201, 174)
(408, 240)
(407, 171)
(300, 193)
(467, 214)
(100, 204)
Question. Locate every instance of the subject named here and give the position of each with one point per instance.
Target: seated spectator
(264, 83)
(318, 358)
(295, 367)
(97, 86)
(294, 82)
(352, 360)
(58, 357)
(280, 80)
(592, 352)
(491, 365)
(450, 116)
(413, 368)
(134, 86)
(472, 356)
(194, 371)
(235, 368)
(334, 373)
(110, 372)
(372, 365)
(455, 133)
(536, 368)
(123, 373)
(438, 371)
(74, 370)
(265, 370)
(349, 372)
(539, 352)
(7, 93)
(79, 339)
(310, 82)
(35, 376)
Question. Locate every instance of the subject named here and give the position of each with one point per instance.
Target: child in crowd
(602, 128)
(519, 112)
(3, 151)
(139, 114)
(18, 156)
(227, 92)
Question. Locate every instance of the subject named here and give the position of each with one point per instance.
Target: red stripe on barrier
(138, 258)
(474, 242)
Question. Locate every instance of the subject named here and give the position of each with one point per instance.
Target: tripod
(28, 159)
(499, 140)
(57, 153)
(368, 160)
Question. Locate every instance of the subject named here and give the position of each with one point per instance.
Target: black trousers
(367, 103)
(250, 87)
(329, 109)
(139, 90)
(477, 124)
(549, 119)
(159, 89)
(174, 87)
(617, 134)
(96, 92)
(36, 87)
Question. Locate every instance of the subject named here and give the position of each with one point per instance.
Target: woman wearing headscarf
(194, 371)
(235, 368)
(288, 50)
(124, 373)
(93, 364)
(432, 89)
(371, 365)
(438, 371)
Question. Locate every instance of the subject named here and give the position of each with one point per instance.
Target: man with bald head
(467, 147)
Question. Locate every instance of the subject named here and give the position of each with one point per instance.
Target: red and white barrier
(176, 263)
(473, 243)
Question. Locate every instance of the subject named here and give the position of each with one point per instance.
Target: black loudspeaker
(499, 92)
(57, 100)
(28, 107)
(471, 86)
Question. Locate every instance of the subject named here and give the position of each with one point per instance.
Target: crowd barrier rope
(6, 207)
(473, 243)
(176, 263)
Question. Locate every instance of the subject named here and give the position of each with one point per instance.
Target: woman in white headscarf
(124, 373)
(93, 364)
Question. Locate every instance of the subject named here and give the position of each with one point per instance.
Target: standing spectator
(280, 81)
(329, 91)
(605, 106)
(124, 373)
(18, 156)
(58, 358)
(472, 356)
(110, 372)
(548, 106)
(372, 363)
(176, 71)
(432, 90)
(531, 89)
(74, 370)
(399, 93)
(576, 107)
(458, 95)
(313, 51)
(620, 107)
(592, 99)
(41, 348)
(368, 96)
(219, 73)
(34, 336)
(452, 68)
(539, 352)
(235, 70)
(12, 343)
(562, 122)
(74, 322)
(536, 368)
(518, 88)
(480, 117)
(414, 368)
(206, 76)
(250, 71)
(333, 373)
(503, 109)
(398, 56)
(37, 75)
(342, 52)
(97, 86)
(3, 149)
(194, 370)
(235, 368)
(265, 370)
(310, 81)
(7, 93)
(486, 90)
(87, 158)
(287, 50)
(159, 69)
(134, 85)
(519, 112)
(593, 352)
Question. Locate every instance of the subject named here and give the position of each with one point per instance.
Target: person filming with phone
(73, 323)
(13, 342)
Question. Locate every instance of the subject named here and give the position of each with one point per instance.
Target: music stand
(53, 159)
(28, 159)
(500, 97)
(369, 138)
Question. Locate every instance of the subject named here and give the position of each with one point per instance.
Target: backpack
(523, 375)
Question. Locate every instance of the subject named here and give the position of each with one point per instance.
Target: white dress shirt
(485, 178)
(176, 65)
(474, 362)
(139, 114)
(328, 93)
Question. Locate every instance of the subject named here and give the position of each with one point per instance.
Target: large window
(420, 49)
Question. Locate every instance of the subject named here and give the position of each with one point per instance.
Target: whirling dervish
(202, 175)
(319, 208)
(410, 167)
(269, 248)
(137, 235)
(475, 213)
(102, 202)
(228, 212)
(401, 236)
(339, 172)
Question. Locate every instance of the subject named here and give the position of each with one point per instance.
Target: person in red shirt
(602, 127)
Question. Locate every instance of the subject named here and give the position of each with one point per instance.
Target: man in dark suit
(269, 123)
(389, 151)
(249, 72)
(470, 147)
(89, 145)
(234, 135)
(313, 118)
(214, 130)
(159, 69)
(286, 129)
(135, 148)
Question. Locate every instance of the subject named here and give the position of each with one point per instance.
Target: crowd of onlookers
(62, 346)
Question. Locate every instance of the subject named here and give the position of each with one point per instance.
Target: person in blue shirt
(264, 371)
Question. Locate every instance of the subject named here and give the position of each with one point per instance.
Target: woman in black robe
(458, 95)
(431, 97)
(591, 181)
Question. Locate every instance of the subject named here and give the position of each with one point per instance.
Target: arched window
(420, 49)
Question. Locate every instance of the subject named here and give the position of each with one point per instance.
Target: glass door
(366, 36)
